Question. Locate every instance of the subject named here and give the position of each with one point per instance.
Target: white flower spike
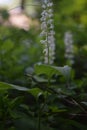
(69, 50)
(47, 33)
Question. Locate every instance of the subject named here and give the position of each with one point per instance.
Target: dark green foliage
(55, 101)
(18, 49)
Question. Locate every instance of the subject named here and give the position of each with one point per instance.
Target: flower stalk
(47, 33)
(69, 49)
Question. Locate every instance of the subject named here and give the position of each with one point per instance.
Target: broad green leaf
(52, 70)
(6, 86)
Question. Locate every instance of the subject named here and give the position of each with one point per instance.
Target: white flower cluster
(47, 33)
(69, 50)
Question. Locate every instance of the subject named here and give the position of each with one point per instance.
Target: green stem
(48, 51)
(39, 119)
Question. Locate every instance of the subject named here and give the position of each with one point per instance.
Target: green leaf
(35, 92)
(56, 109)
(52, 70)
(6, 86)
(85, 103)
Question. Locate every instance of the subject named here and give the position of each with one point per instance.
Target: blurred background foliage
(72, 16)
(18, 53)
(20, 49)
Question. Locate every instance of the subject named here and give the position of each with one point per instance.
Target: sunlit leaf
(35, 91)
(52, 70)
